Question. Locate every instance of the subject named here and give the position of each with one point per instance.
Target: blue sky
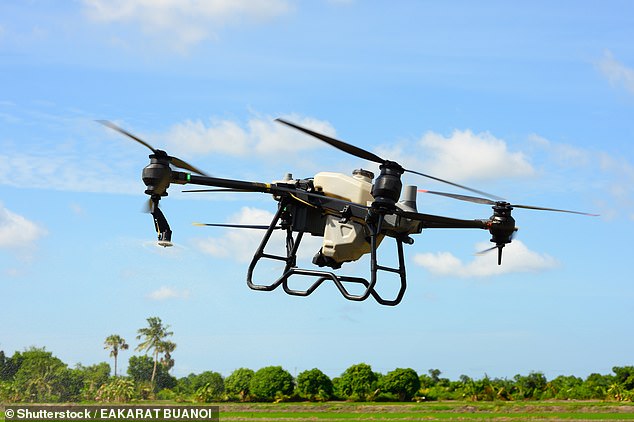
(532, 102)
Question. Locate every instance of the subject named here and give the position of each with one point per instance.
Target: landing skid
(284, 218)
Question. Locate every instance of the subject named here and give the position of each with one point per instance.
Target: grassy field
(443, 411)
(432, 411)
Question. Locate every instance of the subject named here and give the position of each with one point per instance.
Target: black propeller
(490, 202)
(175, 161)
(501, 224)
(499, 247)
(367, 155)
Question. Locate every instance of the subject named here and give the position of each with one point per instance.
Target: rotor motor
(157, 174)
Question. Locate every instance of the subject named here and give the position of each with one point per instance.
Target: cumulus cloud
(516, 258)
(616, 72)
(183, 23)
(240, 244)
(17, 231)
(463, 155)
(165, 292)
(263, 136)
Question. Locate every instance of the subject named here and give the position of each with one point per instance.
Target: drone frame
(302, 210)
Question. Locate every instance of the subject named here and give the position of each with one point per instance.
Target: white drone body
(347, 240)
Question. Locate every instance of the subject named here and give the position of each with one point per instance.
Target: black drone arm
(430, 221)
(339, 206)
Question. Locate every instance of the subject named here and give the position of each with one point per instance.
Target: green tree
(435, 375)
(564, 387)
(115, 343)
(119, 390)
(153, 338)
(140, 369)
(92, 377)
(314, 385)
(531, 386)
(358, 382)
(208, 386)
(596, 386)
(166, 348)
(43, 377)
(425, 381)
(9, 366)
(403, 383)
(271, 381)
(624, 375)
(238, 383)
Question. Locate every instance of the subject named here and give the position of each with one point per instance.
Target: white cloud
(165, 292)
(263, 136)
(564, 154)
(183, 23)
(605, 173)
(16, 231)
(241, 244)
(62, 171)
(616, 72)
(462, 156)
(516, 258)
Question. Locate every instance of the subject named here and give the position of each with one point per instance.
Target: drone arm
(457, 224)
(338, 206)
(187, 178)
(429, 221)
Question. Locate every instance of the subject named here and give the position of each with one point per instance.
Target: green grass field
(432, 411)
(436, 411)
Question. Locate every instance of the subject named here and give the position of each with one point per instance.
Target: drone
(353, 214)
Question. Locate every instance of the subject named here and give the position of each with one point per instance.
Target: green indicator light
(189, 177)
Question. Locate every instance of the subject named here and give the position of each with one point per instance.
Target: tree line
(36, 375)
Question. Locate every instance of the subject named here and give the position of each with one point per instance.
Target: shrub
(314, 385)
(238, 383)
(358, 383)
(403, 383)
(267, 382)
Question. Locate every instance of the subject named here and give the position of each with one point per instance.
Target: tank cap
(363, 174)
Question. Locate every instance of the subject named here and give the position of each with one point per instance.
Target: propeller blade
(486, 250)
(498, 247)
(215, 190)
(111, 125)
(530, 207)
(343, 146)
(489, 202)
(147, 206)
(479, 192)
(367, 155)
(177, 162)
(460, 197)
(237, 226)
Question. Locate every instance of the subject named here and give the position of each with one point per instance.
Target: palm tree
(115, 342)
(166, 348)
(153, 336)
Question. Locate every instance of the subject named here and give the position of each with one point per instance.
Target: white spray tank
(344, 241)
(354, 189)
